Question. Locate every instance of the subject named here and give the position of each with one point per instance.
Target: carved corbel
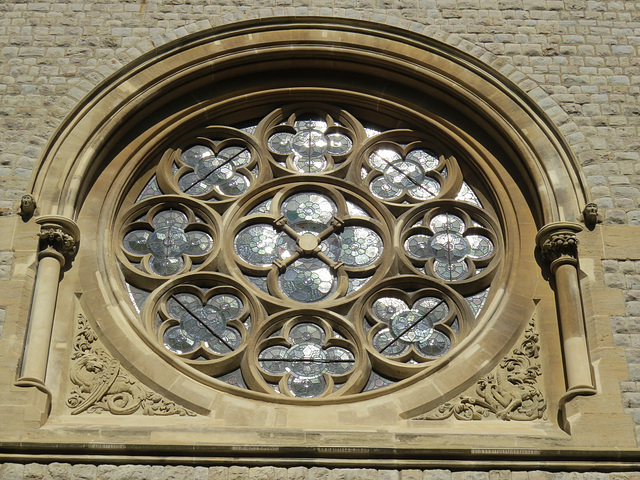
(558, 245)
(58, 242)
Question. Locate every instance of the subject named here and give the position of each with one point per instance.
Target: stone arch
(517, 146)
(70, 156)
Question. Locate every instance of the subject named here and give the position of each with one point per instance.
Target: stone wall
(582, 53)
(65, 471)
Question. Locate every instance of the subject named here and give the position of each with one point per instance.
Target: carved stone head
(27, 206)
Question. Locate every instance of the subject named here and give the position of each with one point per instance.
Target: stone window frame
(267, 188)
(549, 184)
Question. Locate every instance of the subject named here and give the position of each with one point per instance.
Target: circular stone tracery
(318, 243)
(310, 245)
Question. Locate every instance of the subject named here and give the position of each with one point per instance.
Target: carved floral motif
(56, 238)
(102, 385)
(560, 244)
(509, 392)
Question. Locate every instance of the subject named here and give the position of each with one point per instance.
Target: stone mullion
(559, 247)
(59, 237)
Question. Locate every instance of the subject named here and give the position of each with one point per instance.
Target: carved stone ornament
(57, 239)
(590, 216)
(558, 241)
(27, 206)
(102, 385)
(509, 392)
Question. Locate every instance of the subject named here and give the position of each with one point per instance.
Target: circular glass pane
(383, 189)
(429, 188)
(306, 360)
(170, 218)
(418, 246)
(451, 271)
(449, 247)
(193, 185)
(307, 333)
(217, 170)
(307, 164)
(360, 246)
(309, 144)
(426, 160)
(339, 144)
(195, 154)
(307, 280)
(226, 342)
(382, 158)
(236, 185)
(239, 156)
(136, 242)
(257, 244)
(447, 222)
(202, 323)
(280, 143)
(388, 344)
(481, 247)
(386, 308)
(436, 345)
(304, 208)
(175, 341)
(309, 124)
(404, 174)
(199, 243)
(168, 242)
(436, 309)
(227, 305)
(339, 360)
(307, 387)
(273, 360)
(166, 266)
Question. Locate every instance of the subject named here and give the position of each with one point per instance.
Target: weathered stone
(11, 471)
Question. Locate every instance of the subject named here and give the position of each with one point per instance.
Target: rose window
(307, 255)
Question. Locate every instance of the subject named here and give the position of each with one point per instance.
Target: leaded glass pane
(195, 155)
(307, 280)
(308, 208)
(436, 345)
(151, 189)
(360, 246)
(256, 244)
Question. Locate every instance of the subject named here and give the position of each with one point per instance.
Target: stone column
(559, 247)
(59, 237)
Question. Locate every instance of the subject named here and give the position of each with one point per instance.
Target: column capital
(59, 237)
(558, 243)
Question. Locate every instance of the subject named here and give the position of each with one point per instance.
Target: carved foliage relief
(510, 392)
(101, 384)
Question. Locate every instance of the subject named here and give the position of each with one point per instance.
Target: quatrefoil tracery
(382, 207)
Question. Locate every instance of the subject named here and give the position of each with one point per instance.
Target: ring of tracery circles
(308, 255)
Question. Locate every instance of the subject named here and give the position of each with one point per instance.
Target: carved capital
(558, 243)
(59, 237)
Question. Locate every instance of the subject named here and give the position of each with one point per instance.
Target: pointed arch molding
(373, 56)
